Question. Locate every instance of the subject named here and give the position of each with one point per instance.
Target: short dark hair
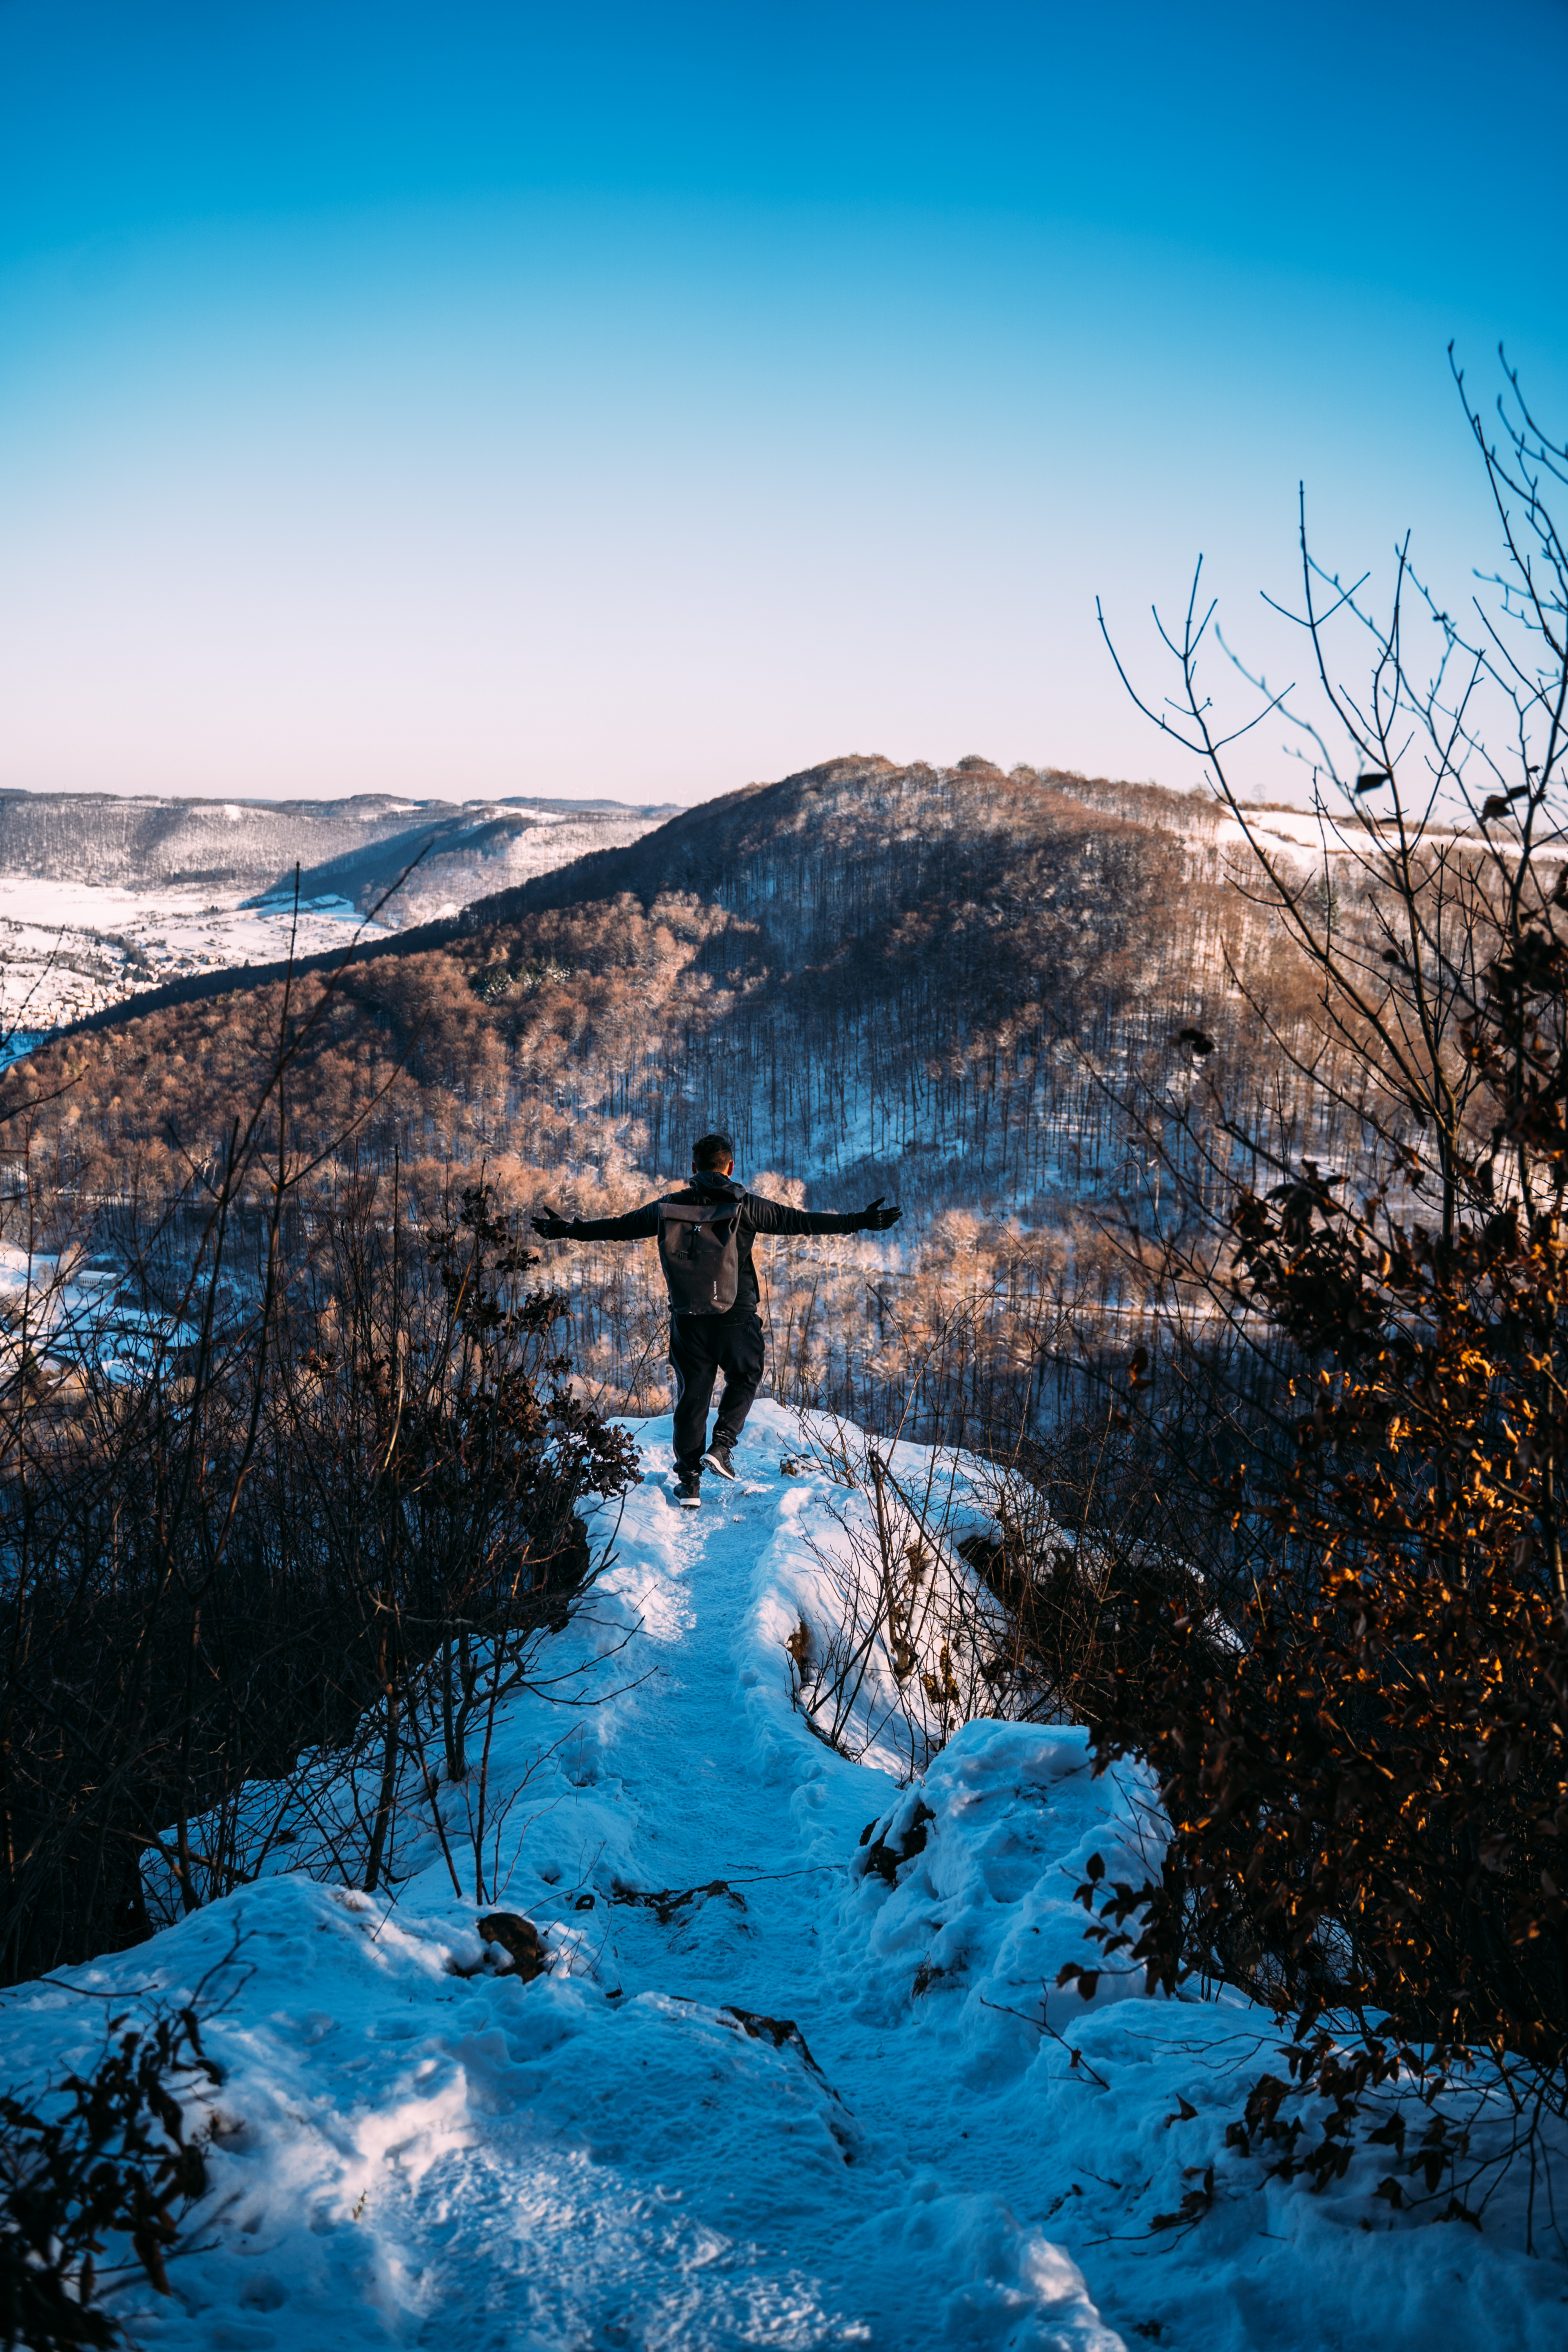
(711, 1151)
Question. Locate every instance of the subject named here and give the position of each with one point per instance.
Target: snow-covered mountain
(797, 2073)
(973, 991)
(101, 895)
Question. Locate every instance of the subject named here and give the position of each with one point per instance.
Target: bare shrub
(311, 1466)
(912, 1644)
(99, 2160)
(1368, 1784)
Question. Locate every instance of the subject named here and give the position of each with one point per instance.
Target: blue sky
(478, 399)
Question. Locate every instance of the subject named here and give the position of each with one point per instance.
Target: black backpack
(699, 1252)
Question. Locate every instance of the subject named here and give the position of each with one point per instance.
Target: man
(705, 1234)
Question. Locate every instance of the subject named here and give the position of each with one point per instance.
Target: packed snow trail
(784, 2086)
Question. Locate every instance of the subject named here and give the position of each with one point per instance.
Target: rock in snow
(799, 2074)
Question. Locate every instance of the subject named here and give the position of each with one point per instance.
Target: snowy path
(624, 2154)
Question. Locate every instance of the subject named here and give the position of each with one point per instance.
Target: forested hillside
(963, 987)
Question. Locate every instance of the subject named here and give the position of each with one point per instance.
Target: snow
(1304, 836)
(71, 948)
(798, 2075)
(18, 1044)
(65, 1310)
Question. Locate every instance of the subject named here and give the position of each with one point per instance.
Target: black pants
(701, 1347)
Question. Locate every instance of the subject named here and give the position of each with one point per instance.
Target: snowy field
(1304, 837)
(72, 1310)
(70, 948)
(793, 2079)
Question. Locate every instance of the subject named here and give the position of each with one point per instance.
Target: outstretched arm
(637, 1225)
(771, 1216)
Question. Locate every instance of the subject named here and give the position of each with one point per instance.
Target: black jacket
(758, 1215)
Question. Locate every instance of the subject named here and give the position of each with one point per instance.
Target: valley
(102, 896)
(963, 988)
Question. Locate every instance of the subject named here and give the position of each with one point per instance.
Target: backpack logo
(699, 1251)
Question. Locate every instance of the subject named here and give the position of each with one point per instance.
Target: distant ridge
(103, 895)
(106, 838)
(703, 850)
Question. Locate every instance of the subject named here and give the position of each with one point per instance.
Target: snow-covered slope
(794, 2079)
(101, 896)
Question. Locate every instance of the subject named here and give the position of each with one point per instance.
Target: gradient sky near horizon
(640, 400)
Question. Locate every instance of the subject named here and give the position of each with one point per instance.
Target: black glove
(552, 1227)
(877, 1218)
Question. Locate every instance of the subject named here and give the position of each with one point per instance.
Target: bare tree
(1366, 1778)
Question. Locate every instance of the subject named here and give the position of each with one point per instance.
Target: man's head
(713, 1155)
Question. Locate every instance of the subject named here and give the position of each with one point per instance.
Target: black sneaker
(688, 1490)
(717, 1459)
